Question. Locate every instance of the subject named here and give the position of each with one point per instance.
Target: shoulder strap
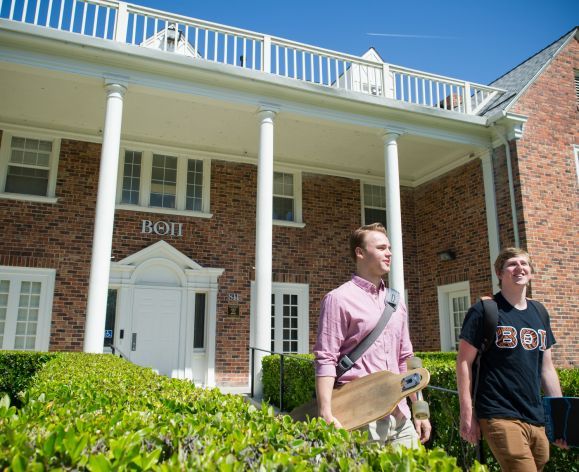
(346, 362)
(542, 311)
(490, 322)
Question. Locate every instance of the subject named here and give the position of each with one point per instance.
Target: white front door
(155, 329)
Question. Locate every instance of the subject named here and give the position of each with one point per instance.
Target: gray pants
(393, 431)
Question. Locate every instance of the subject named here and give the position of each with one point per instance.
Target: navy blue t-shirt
(510, 371)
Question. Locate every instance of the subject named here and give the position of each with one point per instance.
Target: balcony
(201, 40)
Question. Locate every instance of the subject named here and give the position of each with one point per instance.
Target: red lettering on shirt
(506, 337)
(529, 339)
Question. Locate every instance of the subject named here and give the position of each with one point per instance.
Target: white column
(491, 213)
(263, 243)
(103, 227)
(393, 211)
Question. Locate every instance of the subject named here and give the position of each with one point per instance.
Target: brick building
(145, 156)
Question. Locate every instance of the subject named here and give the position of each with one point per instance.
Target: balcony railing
(202, 40)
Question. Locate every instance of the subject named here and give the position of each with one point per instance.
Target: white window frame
(297, 178)
(5, 151)
(444, 291)
(181, 191)
(363, 200)
(303, 293)
(46, 277)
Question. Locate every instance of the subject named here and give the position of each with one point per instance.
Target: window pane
(26, 180)
(374, 216)
(283, 184)
(283, 209)
(163, 181)
(28, 168)
(194, 185)
(110, 318)
(459, 307)
(290, 331)
(131, 177)
(199, 329)
(26, 321)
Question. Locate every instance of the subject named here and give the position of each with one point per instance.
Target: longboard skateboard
(562, 419)
(370, 398)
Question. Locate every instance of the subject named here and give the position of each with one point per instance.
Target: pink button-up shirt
(348, 314)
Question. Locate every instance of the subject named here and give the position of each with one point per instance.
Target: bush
(17, 369)
(299, 380)
(444, 405)
(101, 413)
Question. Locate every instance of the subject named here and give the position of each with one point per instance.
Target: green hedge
(17, 369)
(444, 406)
(101, 413)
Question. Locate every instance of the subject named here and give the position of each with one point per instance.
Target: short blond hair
(358, 237)
(509, 252)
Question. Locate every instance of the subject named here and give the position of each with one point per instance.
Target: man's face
(516, 271)
(375, 257)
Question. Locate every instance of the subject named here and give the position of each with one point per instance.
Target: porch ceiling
(75, 106)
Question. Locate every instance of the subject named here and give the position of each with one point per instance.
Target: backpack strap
(490, 322)
(347, 361)
(544, 314)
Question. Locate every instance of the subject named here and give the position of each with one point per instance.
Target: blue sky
(464, 39)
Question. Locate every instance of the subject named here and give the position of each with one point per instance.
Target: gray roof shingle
(518, 78)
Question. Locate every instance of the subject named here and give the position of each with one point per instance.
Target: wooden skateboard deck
(367, 398)
(562, 419)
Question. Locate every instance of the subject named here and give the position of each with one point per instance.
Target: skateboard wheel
(420, 410)
(414, 363)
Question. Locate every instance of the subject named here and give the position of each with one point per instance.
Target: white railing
(145, 27)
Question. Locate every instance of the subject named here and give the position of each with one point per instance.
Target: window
(25, 308)
(287, 208)
(199, 323)
(289, 317)
(374, 197)
(28, 166)
(576, 147)
(163, 182)
(131, 177)
(283, 196)
(453, 303)
(110, 320)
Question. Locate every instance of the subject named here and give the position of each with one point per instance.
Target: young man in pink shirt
(348, 314)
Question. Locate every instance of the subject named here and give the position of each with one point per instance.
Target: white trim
(443, 292)
(190, 278)
(280, 288)
(297, 197)
(46, 277)
(182, 156)
(491, 214)
(5, 148)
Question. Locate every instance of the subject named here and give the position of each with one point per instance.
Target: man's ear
(359, 251)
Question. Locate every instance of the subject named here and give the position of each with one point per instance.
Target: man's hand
(561, 443)
(469, 427)
(329, 418)
(423, 429)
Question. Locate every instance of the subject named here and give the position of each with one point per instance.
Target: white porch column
(263, 243)
(393, 211)
(491, 213)
(105, 214)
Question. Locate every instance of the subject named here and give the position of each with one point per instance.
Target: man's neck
(377, 281)
(516, 296)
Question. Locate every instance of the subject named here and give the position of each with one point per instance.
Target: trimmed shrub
(101, 413)
(444, 406)
(17, 369)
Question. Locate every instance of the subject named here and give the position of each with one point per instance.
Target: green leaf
(18, 463)
(99, 463)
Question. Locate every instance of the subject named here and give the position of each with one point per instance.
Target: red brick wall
(550, 195)
(450, 214)
(58, 236)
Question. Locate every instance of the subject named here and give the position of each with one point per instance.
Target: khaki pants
(516, 445)
(392, 430)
